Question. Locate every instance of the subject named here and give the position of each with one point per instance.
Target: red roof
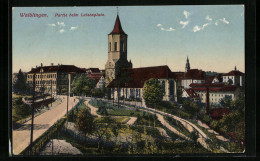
(216, 89)
(178, 75)
(95, 75)
(234, 73)
(138, 76)
(57, 68)
(209, 79)
(194, 74)
(117, 27)
(192, 93)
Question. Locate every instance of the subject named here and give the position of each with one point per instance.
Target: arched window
(115, 47)
(171, 87)
(163, 86)
(110, 46)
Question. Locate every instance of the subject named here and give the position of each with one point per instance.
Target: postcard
(128, 80)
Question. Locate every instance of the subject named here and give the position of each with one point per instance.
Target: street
(21, 136)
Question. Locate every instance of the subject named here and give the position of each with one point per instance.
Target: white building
(236, 77)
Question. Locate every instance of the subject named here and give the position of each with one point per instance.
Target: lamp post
(32, 106)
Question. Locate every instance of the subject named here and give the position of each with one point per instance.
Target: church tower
(187, 67)
(117, 52)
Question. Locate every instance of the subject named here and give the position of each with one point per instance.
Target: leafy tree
(20, 109)
(179, 95)
(85, 122)
(97, 92)
(82, 85)
(102, 128)
(226, 101)
(191, 107)
(153, 92)
(20, 85)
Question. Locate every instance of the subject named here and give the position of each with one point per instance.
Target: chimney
(41, 64)
(36, 66)
(51, 64)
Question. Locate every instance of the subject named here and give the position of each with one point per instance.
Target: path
(21, 136)
(93, 110)
(218, 136)
(131, 121)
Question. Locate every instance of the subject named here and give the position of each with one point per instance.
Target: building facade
(53, 79)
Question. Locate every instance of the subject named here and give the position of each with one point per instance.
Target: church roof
(138, 76)
(117, 27)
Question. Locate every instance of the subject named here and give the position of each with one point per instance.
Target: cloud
(186, 14)
(61, 24)
(198, 28)
(73, 28)
(184, 23)
(159, 25)
(224, 20)
(162, 28)
(52, 25)
(62, 30)
(170, 29)
(208, 18)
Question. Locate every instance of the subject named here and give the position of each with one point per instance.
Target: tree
(226, 101)
(82, 85)
(20, 109)
(85, 122)
(153, 92)
(191, 107)
(101, 129)
(179, 95)
(20, 86)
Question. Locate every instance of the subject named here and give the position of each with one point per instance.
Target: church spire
(187, 67)
(117, 27)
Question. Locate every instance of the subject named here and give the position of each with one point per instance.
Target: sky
(211, 36)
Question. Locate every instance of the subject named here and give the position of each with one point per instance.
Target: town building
(235, 77)
(216, 92)
(135, 78)
(55, 78)
(117, 52)
(99, 79)
(193, 76)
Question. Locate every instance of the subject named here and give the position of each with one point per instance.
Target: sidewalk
(21, 136)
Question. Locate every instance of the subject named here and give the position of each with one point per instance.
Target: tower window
(115, 46)
(110, 46)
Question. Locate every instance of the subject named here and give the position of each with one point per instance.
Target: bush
(20, 109)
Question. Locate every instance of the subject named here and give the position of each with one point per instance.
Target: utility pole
(32, 106)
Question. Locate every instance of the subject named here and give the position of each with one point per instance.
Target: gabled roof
(117, 27)
(234, 73)
(192, 93)
(138, 76)
(209, 79)
(57, 68)
(194, 74)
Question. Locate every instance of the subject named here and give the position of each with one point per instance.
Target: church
(128, 82)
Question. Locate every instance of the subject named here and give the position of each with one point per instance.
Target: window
(163, 86)
(115, 47)
(110, 46)
(171, 87)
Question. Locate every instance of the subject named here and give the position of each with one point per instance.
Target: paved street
(21, 136)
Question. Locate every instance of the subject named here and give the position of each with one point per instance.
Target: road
(21, 136)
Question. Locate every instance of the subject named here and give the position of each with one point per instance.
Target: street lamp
(32, 106)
